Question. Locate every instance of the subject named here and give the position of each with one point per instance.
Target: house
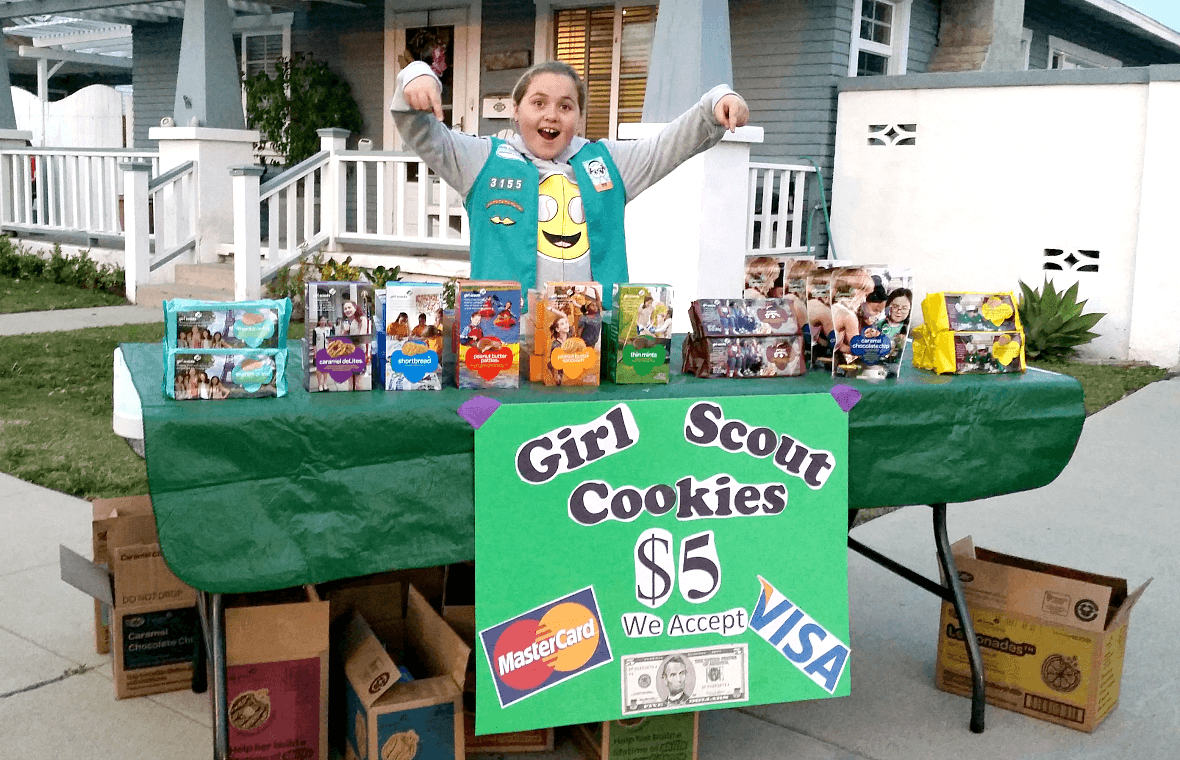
(796, 62)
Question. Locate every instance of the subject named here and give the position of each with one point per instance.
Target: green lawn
(42, 295)
(55, 411)
(1105, 384)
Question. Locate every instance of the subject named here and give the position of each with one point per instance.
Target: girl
(547, 183)
(356, 321)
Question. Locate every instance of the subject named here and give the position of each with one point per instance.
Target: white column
(135, 214)
(10, 139)
(214, 151)
(689, 229)
(1154, 332)
(333, 140)
(247, 257)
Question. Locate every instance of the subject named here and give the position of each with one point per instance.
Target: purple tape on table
(478, 410)
(846, 396)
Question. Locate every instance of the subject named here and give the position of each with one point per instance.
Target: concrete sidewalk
(60, 320)
(1112, 511)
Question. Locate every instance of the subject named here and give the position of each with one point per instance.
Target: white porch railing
(173, 198)
(65, 189)
(776, 211)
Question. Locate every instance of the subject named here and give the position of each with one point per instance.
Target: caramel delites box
(487, 334)
(413, 336)
(643, 317)
(569, 333)
(338, 348)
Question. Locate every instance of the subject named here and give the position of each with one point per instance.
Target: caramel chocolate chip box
(487, 334)
(410, 337)
(569, 333)
(640, 334)
(870, 314)
(338, 349)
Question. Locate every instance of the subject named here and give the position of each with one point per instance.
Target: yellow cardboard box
(1052, 638)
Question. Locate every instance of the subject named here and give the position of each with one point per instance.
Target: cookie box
(569, 333)
(487, 334)
(218, 374)
(195, 324)
(410, 337)
(338, 349)
(639, 345)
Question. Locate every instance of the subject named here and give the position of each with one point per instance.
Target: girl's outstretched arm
(644, 162)
(455, 156)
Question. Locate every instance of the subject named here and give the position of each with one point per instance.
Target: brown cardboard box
(1052, 638)
(276, 651)
(462, 619)
(390, 715)
(672, 736)
(152, 617)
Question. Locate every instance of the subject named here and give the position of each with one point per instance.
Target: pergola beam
(87, 58)
(54, 7)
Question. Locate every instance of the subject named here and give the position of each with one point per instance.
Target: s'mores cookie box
(487, 334)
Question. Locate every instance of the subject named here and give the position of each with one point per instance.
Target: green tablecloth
(258, 494)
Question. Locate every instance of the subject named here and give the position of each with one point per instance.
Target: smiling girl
(546, 205)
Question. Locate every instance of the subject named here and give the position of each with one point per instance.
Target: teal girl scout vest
(502, 209)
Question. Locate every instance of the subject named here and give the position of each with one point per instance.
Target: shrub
(1054, 325)
(291, 282)
(77, 270)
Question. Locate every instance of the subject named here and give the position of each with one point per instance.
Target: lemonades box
(569, 333)
(276, 650)
(338, 347)
(641, 331)
(411, 336)
(415, 710)
(487, 334)
(1052, 638)
(656, 737)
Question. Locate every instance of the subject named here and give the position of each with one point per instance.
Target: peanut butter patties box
(276, 651)
(415, 710)
(1052, 638)
(487, 334)
(150, 620)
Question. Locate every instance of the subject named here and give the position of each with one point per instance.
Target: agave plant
(1054, 325)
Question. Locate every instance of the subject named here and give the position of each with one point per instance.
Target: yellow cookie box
(964, 353)
(971, 312)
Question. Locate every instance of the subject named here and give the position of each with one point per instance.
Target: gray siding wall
(156, 51)
(923, 34)
(1048, 17)
(508, 26)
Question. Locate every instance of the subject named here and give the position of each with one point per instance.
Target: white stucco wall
(997, 175)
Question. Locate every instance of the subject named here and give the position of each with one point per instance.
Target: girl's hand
(731, 111)
(422, 94)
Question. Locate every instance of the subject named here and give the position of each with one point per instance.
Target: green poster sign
(653, 556)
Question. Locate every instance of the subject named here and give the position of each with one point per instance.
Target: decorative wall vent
(893, 134)
(1058, 260)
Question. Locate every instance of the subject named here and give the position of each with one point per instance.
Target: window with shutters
(262, 50)
(610, 47)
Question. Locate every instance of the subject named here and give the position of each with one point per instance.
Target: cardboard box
(276, 648)
(338, 347)
(152, 615)
(410, 336)
(486, 335)
(1052, 638)
(391, 716)
(674, 736)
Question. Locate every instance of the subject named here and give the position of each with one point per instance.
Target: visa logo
(797, 636)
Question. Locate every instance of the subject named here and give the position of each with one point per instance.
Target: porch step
(155, 295)
(215, 276)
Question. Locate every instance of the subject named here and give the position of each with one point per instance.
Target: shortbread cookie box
(569, 333)
(640, 341)
(338, 349)
(411, 337)
(487, 334)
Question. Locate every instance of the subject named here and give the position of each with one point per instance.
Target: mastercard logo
(546, 646)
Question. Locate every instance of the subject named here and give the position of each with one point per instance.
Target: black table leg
(947, 561)
(212, 613)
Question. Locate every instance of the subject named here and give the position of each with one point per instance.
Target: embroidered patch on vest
(599, 175)
(507, 151)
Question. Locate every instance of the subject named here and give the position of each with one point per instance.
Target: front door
(448, 40)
